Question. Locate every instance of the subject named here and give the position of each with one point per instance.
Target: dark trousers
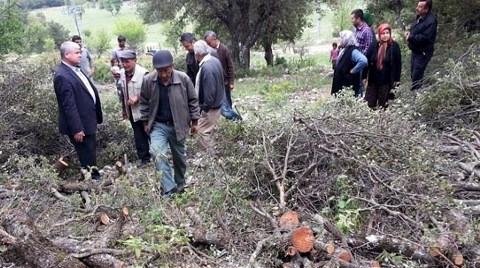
(228, 95)
(86, 152)
(377, 95)
(227, 110)
(141, 140)
(418, 66)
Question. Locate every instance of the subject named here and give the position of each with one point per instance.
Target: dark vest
(342, 76)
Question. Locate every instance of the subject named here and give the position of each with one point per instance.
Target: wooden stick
(329, 248)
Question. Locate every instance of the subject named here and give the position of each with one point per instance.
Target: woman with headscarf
(384, 67)
(350, 62)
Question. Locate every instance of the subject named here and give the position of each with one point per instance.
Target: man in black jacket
(421, 40)
(187, 40)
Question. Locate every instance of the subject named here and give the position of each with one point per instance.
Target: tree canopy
(245, 21)
(11, 29)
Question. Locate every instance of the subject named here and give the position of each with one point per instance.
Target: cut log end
(329, 248)
(345, 255)
(120, 167)
(303, 239)
(457, 259)
(289, 220)
(291, 251)
(60, 165)
(434, 251)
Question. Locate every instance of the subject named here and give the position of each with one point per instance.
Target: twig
(391, 212)
(6, 238)
(96, 251)
(59, 196)
(255, 254)
(273, 222)
(73, 219)
(87, 203)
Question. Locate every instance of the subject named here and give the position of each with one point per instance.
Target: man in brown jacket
(169, 109)
(225, 58)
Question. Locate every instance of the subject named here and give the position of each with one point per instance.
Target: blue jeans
(161, 137)
(227, 110)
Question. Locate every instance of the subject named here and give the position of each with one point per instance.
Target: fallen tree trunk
(26, 247)
(200, 234)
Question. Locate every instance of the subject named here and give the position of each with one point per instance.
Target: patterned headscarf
(383, 45)
(347, 38)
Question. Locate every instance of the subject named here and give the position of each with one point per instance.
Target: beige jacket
(182, 97)
(134, 87)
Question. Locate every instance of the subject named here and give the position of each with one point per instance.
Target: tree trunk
(245, 57)
(267, 47)
(235, 48)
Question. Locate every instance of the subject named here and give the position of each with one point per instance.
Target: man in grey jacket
(169, 109)
(209, 84)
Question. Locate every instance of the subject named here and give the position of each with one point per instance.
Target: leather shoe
(167, 195)
(180, 188)
(143, 163)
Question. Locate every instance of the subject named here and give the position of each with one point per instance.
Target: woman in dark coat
(384, 67)
(350, 62)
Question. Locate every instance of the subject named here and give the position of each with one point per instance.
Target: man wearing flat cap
(129, 86)
(169, 110)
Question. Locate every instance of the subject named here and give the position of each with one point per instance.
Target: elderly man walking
(225, 58)
(211, 92)
(129, 85)
(169, 110)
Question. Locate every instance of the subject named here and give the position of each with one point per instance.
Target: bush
(28, 121)
(102, 72)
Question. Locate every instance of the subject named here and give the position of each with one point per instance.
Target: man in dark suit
(79, 108)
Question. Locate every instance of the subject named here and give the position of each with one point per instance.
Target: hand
(193, 129)
(79, 136)
(231, 87)
(146, 128)
(133, 100)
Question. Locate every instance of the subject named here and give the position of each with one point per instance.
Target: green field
(94, 19)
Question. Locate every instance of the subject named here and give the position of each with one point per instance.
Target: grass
(94, 19)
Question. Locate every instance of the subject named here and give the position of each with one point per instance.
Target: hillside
(305, 180)
(95, 19)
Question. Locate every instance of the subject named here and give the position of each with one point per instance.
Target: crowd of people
(164, 107)
(364, 59)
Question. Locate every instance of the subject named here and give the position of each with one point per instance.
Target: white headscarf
(347, 38)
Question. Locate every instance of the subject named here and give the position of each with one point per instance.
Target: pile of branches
(27, 117)
(452, 99)
(381, 181)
